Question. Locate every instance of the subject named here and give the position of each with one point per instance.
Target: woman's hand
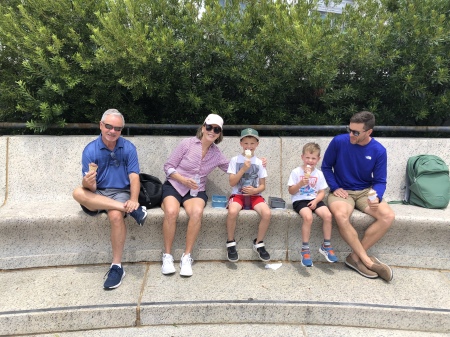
(189, 182)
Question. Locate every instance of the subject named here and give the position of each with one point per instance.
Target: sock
(305, 246)
(228, 241)
(326, 243)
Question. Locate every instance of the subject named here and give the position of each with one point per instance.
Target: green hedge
(265, 62)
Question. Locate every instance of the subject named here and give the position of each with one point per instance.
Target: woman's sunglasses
(110, 127)
(216, 129)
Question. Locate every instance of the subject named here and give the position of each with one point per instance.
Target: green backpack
(427, 182)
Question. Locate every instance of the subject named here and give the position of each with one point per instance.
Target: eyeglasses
(355, 133)
(115, 161)
(217, 129)
(110, 127)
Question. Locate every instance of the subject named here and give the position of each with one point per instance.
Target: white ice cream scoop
(372, 195)
(308, 171)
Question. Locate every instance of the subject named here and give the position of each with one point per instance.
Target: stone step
(71, 298)
(246, 330)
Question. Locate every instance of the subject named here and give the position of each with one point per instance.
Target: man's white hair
(113, 112)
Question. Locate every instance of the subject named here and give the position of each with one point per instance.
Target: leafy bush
(254, 62)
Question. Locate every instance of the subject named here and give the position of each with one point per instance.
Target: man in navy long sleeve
(353, 164)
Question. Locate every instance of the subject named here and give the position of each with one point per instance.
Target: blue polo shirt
(114, 167)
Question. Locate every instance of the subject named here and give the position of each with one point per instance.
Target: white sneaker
(167, 264)
(186, 265)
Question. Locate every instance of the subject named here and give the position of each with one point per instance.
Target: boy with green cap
(248, 180)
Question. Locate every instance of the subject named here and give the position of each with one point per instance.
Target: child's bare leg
(264, 211)
(325, 214)
(307, 217)
(326, 248)
(233, 212)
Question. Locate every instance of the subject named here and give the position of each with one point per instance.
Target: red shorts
(239, 198)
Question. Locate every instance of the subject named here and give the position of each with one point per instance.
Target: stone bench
(41, 225)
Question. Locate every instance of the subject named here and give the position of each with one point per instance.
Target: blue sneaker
(140, 215)
(115, 277)
(328, 253)
(306, 258)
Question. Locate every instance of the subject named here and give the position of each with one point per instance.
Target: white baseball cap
(214, 119)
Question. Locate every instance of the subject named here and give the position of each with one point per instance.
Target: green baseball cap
(249, 132)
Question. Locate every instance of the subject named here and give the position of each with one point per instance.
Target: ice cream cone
(307, 171)
(248, 154)
(92, 167)
(372, 195)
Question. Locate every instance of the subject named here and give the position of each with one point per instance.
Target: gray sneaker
(360, 267)
(382, 269)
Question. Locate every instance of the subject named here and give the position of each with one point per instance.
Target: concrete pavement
(222, 298)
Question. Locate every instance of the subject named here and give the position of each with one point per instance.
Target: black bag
(151, 191)
(275, 202)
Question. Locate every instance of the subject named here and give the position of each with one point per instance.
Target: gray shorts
(113, 193)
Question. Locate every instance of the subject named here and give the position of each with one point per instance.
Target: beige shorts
(357, 199)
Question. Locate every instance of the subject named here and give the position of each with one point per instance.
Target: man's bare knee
(387, 219)
(78, 194)
(115, 217)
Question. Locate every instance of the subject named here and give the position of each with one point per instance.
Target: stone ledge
(61, 234)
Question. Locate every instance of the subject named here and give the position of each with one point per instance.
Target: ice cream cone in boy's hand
(307, 171)
(248, 154)
(92, 167)
(372, 195)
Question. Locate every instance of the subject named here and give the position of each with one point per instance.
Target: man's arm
(380, 175)
(135, 186)
(329, 159)
(90, 181)
(89, 177)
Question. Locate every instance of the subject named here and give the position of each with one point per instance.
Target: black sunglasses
(217, 129)
(114, 158)
(110, 127)
(355, 133)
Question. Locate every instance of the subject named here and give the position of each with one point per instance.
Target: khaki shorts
(357, 199)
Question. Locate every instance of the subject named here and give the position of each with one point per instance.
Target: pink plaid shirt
(187, 160)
